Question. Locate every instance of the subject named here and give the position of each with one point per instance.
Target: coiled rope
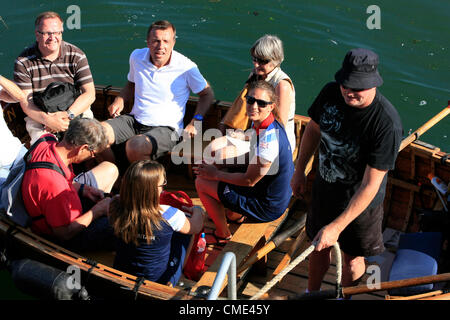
(294, 263)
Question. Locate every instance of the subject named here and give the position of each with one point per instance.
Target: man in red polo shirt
(62, 206)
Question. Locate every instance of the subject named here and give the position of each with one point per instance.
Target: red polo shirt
(48, 193)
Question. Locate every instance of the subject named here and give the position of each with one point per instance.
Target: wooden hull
(408, 190)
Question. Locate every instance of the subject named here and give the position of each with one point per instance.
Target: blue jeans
(4, 170)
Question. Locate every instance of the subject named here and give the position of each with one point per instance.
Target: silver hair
(268, 47)
(86, 131)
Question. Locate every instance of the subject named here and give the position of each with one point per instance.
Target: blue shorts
(242, 200)
(88, 179)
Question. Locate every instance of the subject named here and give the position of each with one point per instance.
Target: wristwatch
(198, 117)
(71, 115)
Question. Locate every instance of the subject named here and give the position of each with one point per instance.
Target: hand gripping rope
(294, 263)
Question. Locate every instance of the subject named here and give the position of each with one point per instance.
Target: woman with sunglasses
(154, 238)
(263, 191)
(267, 55)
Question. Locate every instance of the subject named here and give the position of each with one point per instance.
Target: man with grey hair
(68, 208)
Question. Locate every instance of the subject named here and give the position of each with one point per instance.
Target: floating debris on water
(4, 23)
(334, 42)
(422, 103)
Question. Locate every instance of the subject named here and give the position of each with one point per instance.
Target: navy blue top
(147, 260)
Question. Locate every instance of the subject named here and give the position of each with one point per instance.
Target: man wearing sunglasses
(49, 60)
(358, 133)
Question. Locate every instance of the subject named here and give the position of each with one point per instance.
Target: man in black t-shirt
(358, 133)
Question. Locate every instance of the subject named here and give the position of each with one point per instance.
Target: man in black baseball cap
(358, 133)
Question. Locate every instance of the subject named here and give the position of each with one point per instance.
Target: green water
(413, 44)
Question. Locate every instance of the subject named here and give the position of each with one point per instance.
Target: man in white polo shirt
(160, 80)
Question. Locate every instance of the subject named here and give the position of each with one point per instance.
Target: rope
(294, 263)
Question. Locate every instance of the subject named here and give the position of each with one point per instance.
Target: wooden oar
(272, 244)
(445, 296)
(382, 286)
(417, 296)
(416, 134)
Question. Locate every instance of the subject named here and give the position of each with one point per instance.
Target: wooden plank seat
(243, 242)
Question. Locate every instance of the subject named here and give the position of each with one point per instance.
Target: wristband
(198, 117)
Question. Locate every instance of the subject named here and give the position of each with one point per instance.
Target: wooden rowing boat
(409, 190)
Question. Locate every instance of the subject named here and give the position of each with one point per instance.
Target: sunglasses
(261, 62)
(261, 103)
(351, 89)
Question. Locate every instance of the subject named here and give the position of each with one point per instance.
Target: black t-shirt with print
(351, 139)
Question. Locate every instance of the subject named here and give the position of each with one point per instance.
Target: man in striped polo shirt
(51, 59)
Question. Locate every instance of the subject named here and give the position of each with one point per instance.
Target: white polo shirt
(9, 144)
(161, 93)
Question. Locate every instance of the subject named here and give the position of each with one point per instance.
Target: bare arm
(256, 170)
(84, 101)
(126, 95)
(308, 146)
(370, 185)
(194, 224)
(11, 92)
(56, 122)
(284, 93)
(206, 98)
(82, 222)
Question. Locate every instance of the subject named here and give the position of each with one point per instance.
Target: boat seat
(417, 256)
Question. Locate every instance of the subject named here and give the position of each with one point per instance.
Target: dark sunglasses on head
(354, 90)
(261, 103)
(260, 61)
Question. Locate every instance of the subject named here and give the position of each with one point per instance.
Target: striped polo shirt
(32, 71)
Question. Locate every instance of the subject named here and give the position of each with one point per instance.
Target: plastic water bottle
(201, 244)
(199, 259)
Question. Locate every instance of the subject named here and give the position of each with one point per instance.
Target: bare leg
(207, 191)
(106, 174)
(319, 262)
(138, 148)
(353, 269)
(107, 154)
(222, 152)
